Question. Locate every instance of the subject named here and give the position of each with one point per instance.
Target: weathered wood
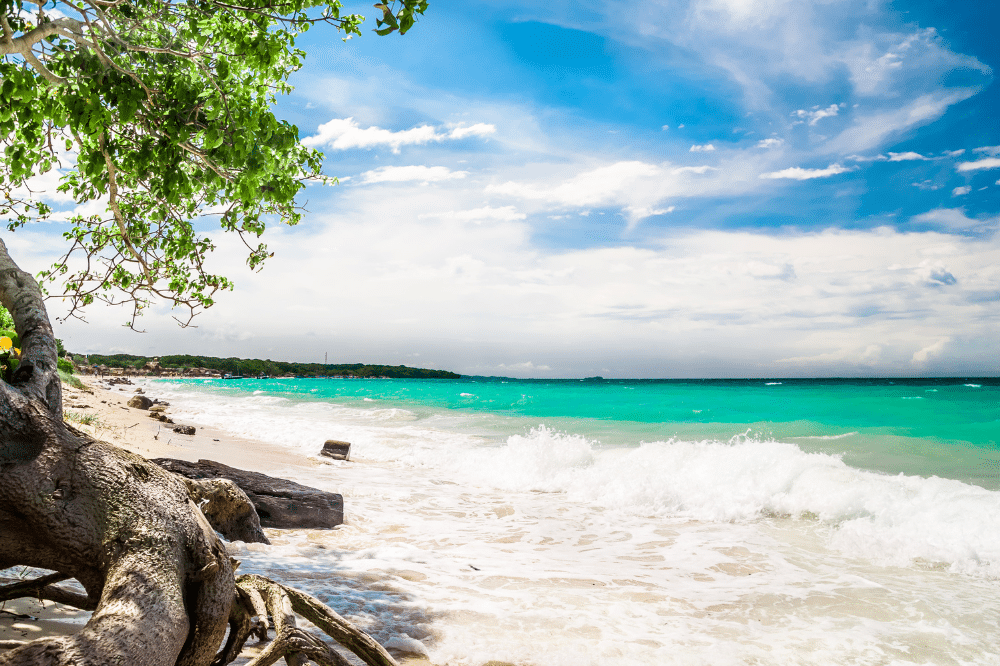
(45, 588)
(279, 503)
(294, 643)
(160, 581)
(336, 449)
(227, 508)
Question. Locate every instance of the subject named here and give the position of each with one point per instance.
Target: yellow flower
(6, 343)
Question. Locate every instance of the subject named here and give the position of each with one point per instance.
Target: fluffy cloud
(600, 186)
(961, 191)
(502, 214)
(954, 219)
(985, 163)
(798, 173)
(705, 148)
(906, 157)
(345, 133)
(922, 355)
(400, 174)
(816, 114)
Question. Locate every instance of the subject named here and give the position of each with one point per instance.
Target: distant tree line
(252, 367)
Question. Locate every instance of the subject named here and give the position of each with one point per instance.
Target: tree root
(258, 597)
(45, 588)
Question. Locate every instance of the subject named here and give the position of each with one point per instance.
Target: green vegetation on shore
(255, 367)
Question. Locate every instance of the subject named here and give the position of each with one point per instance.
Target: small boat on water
(229, 376)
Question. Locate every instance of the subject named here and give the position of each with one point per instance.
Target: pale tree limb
(282, 602)
(45, 588)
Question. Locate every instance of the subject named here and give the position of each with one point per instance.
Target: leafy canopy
(160, 113)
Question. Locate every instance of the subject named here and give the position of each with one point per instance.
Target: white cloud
(926, 185)
(642, 213)
(693, 169)
(930, 350)
(798, 173)
(704, 148)
(985, 163)
(502, 214)
(862, 158)
(961, 191)
(988, 150)
(400, 174)
(479, 129)
(600, 186)
(687, 302)
(953, 153)
(770, 143)
(345, 133)
(526, 367)
(869, 130)
(906, 157)
(954, 218)
(816, 114)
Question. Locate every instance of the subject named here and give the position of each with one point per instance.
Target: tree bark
(157, 577)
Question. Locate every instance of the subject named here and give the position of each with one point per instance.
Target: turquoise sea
(602, 521)
(943, 427)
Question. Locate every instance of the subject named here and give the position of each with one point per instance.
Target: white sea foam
(548, 547)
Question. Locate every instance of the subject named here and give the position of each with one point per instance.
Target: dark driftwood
(336, 449)
(279, 503)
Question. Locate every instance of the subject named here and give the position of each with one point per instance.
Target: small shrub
(65, 365)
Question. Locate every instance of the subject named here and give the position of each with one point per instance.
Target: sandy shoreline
(102, 412)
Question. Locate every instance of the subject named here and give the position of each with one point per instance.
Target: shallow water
(549, 523)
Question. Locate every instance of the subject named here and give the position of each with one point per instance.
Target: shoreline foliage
(256, 367)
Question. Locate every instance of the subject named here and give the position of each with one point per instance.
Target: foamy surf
(551, 547)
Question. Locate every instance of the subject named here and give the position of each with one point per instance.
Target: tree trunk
(158, 578)
(156, 572)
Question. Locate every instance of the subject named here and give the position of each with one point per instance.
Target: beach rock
(140, 402)
(157, 408)
(185, 430)
(279, 503)
(336, 449)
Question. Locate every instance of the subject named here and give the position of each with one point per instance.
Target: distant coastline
(244, 367)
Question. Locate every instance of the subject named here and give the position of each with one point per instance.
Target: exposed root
(258, 597)
(45, 588)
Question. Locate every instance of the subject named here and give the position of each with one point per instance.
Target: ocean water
(556, 523)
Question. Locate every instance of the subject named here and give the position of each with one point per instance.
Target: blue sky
(664, 189)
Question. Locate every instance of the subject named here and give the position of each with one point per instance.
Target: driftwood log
(279, 503)
(157, 578)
